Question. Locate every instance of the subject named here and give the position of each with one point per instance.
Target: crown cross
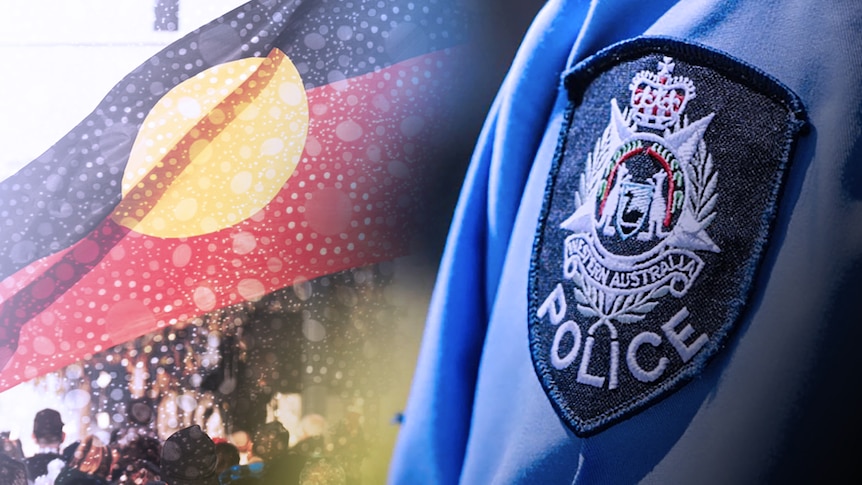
(658, 98)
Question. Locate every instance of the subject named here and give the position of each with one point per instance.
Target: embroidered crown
(658, 98)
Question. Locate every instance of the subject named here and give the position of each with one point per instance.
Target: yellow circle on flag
(215, 149)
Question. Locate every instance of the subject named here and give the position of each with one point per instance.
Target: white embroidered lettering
(555, 303)
(664, 267)
(584, 377)
(690, 267)
(678, 339)
(631, 357)
(562, 362)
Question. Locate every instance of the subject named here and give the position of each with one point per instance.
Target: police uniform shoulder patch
(656, 214)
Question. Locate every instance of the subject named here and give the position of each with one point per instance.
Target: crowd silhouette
(189, 456)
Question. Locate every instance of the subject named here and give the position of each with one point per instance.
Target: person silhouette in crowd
(48, 435)
(349, 445)
(313, 428)
(12, 471)
(189, 458)
(242, 440)
(228, 455)
(90, 465)
(11, 448)
(271, 443)
(138, 460)
(248, 474)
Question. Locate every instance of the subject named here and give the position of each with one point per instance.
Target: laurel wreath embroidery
(632, 308)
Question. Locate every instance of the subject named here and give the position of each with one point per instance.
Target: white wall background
(60, 57)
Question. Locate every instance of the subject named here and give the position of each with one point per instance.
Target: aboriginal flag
(281, 142)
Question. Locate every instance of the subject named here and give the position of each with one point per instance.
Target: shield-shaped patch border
(576, 82)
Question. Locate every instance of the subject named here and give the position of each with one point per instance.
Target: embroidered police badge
(656, 215)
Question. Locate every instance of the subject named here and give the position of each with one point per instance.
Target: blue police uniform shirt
(776, 400)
